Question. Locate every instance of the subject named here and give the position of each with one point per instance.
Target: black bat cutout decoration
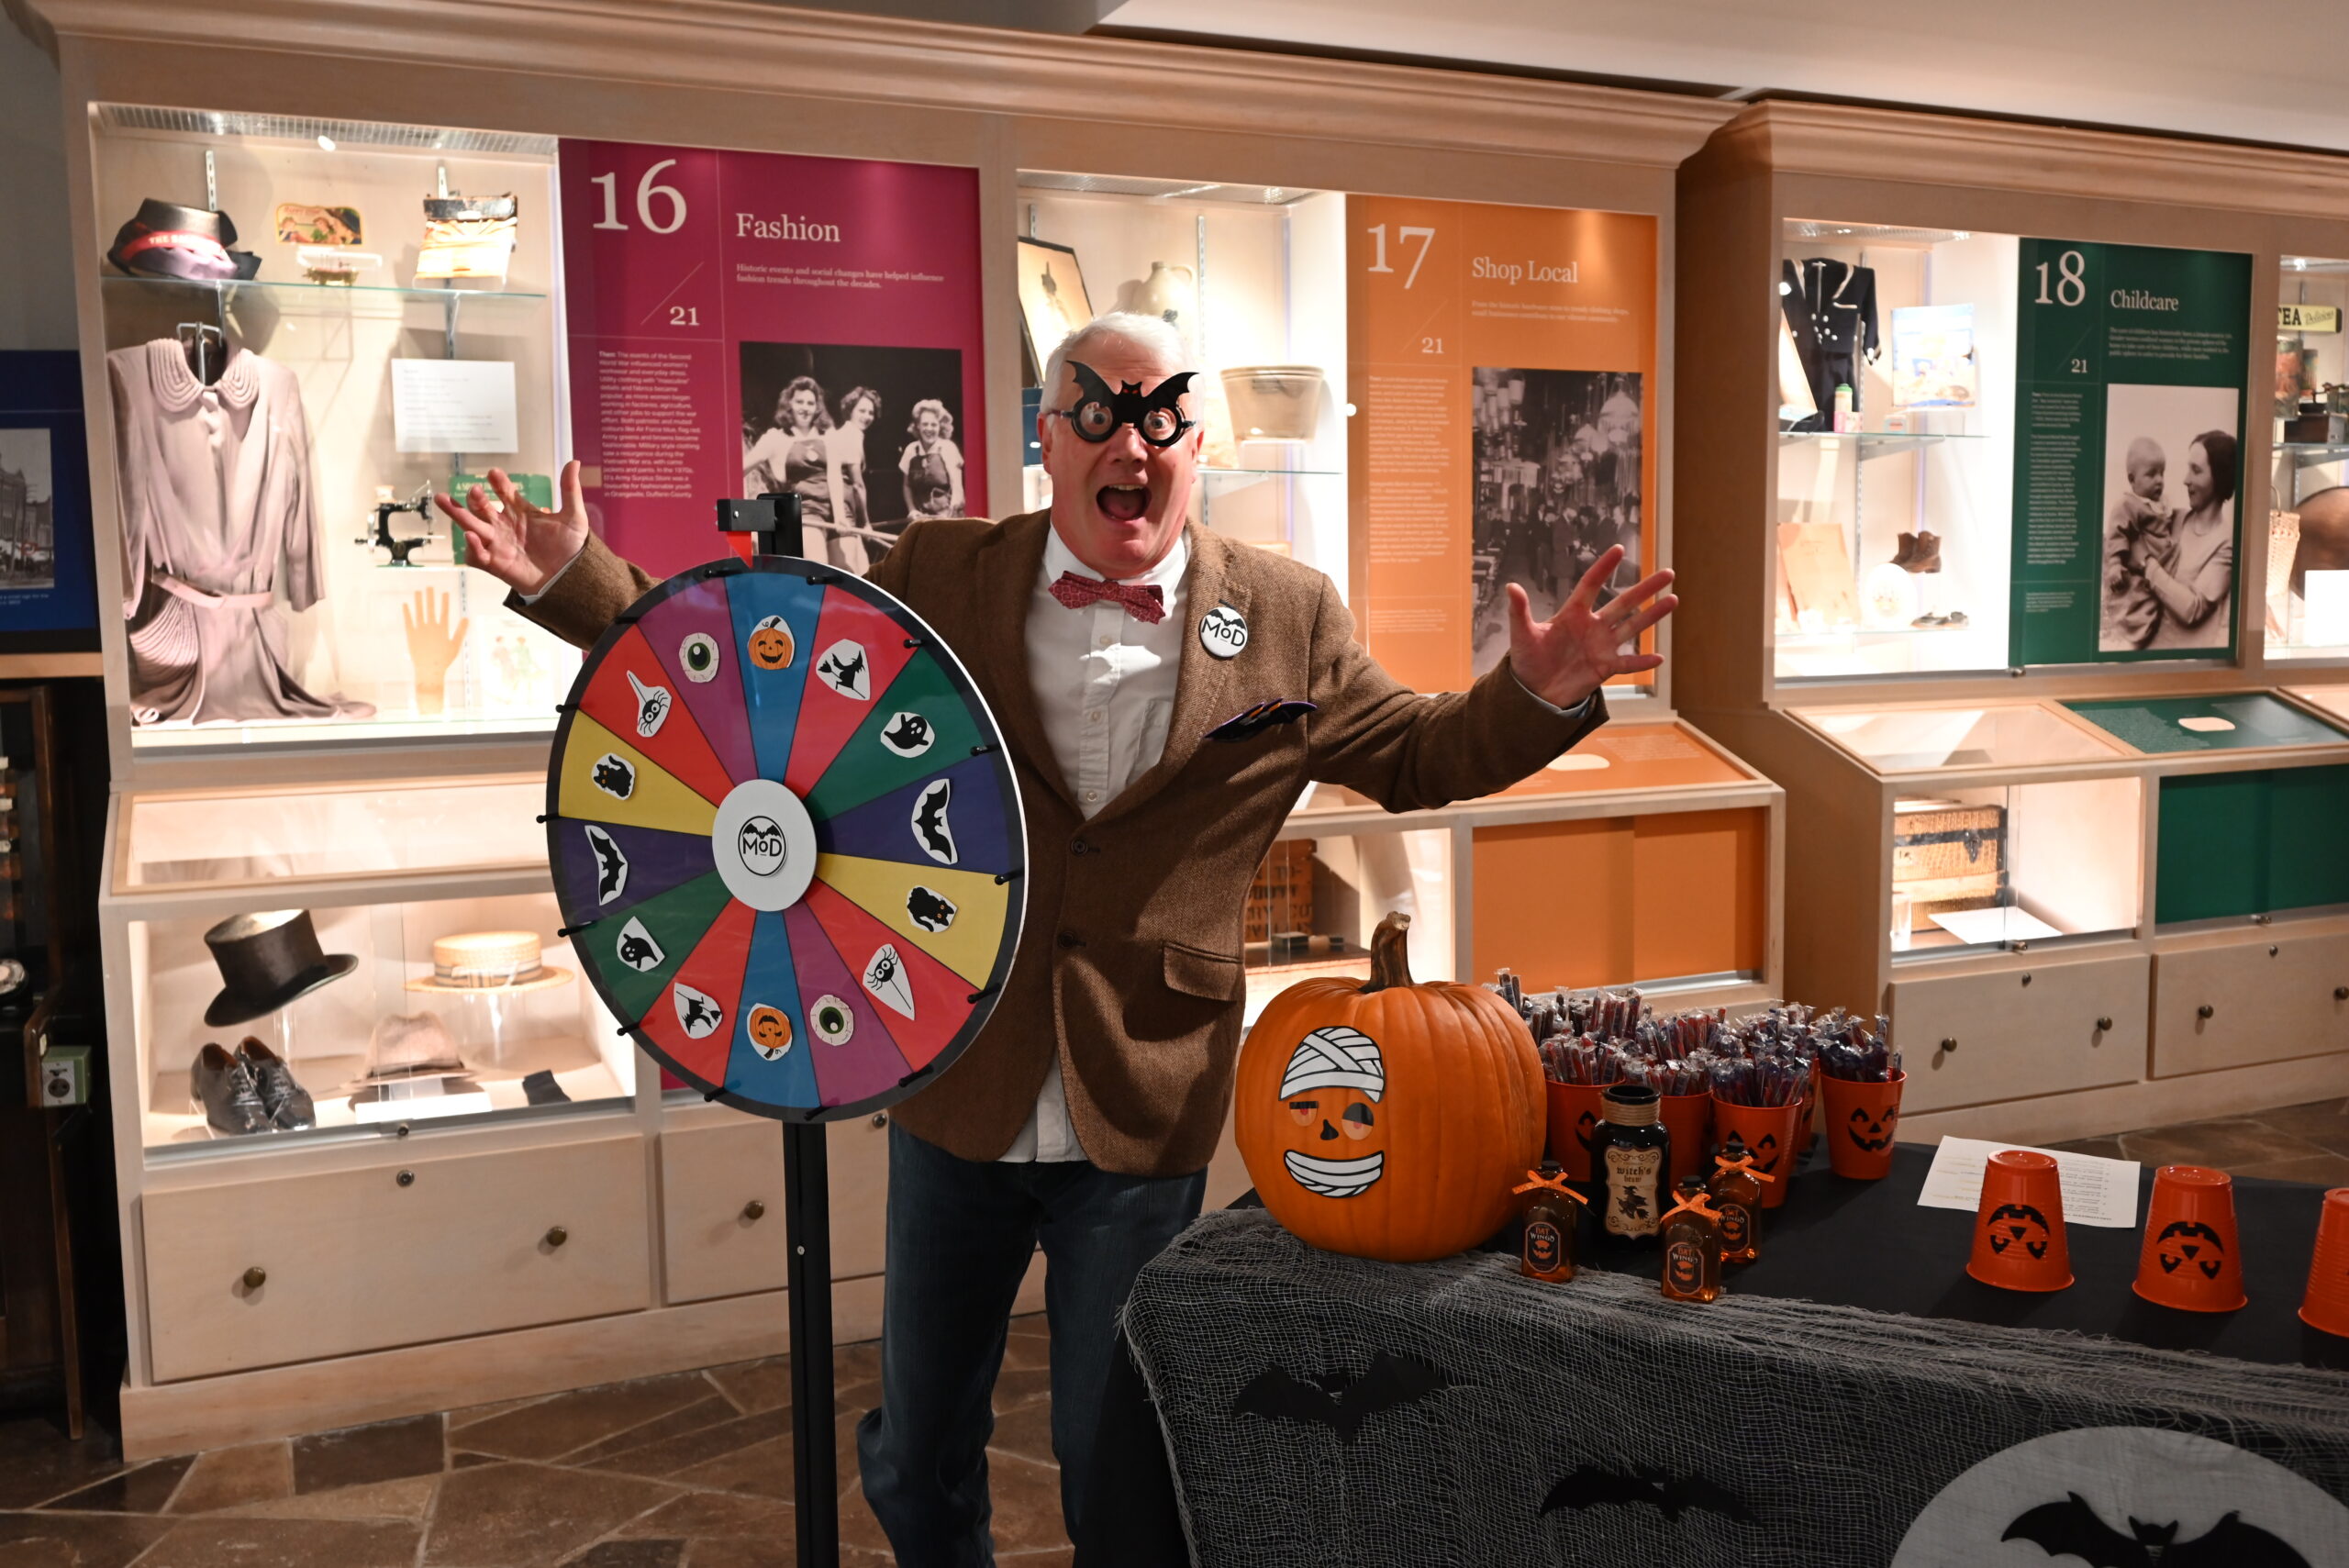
(1249, 723)
(2074, 1529)
(1590, 1485)
(1336, 1400)
(1129, 406)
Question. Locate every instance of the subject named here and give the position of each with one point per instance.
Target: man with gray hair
(1165, 696)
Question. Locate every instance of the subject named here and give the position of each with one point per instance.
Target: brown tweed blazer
(1129, 962)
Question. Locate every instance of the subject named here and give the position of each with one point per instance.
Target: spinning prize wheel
(787, 842)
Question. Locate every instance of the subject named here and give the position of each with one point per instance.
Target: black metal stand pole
(808, 1231)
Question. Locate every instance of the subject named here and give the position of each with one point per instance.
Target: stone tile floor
(688, 1471)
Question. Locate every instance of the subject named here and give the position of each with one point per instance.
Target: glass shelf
(1271, 473)
(1927, 739)
(309, 290)
(1874, 443)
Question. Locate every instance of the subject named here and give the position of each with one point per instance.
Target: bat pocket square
(1249, 723)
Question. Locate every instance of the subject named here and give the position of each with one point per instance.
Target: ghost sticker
(1223, 631)
(909, 735)
(653, 704)
(613, 775)
(769, 1032)
(761, 845)
(930, 909)
(845, 669)
(611, 866)
(832, 1020)
(885, 977)
(932, 829)
(698, 654)
(698, 1013)
(771, 645)
(1325, 1072)
(636, 947)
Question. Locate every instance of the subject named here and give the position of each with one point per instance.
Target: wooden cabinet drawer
(2007, 1034)
(711, 1174)
(357, 1260)
(2262, 1000)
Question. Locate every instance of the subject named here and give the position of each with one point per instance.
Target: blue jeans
(961, 1234)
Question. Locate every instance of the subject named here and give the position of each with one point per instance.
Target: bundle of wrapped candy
(1854, 1052)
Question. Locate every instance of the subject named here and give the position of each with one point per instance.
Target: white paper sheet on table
(2097, 1191)
(2001, 924)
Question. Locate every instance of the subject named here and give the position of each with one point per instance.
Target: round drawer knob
(2102, 1025)
(1949, 1045)
(2341, 992)
(256, 1277)
(2204, 1011)
(754, 1209)
(557, 1235)
(405, 1178)
(880, 1118)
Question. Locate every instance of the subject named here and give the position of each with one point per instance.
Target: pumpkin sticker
(1335, 1059)
(770, 1032)
(771, 645)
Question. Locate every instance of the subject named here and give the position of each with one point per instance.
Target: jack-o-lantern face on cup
(2187, 1243)
(2018, 1225)
(1871, 1133)
(1389, 1120)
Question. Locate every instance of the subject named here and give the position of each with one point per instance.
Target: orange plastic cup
(1689, 1119)
(2326, 1304)
(2189, 1260)
(1576, 1111)
(1861, 1121)
(2018, 1239)
(1768, 1133)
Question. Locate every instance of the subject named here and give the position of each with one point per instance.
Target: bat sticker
(652, 704)
(611, 866)
(1223, 631)
(1249, 723)
(930, 909)
(2074, 1529)
(698, 654)
(636, 947)
(1337, 1401)
(1591, 1486)
(845, 669)
(909, 735)
(932, 829)
(832, 1020)
(885, 977)
(613, 775)
(698, 1013)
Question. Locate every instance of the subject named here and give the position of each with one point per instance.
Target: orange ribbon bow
(1695, 1203)
(1556, 1184)
(1745, 1164)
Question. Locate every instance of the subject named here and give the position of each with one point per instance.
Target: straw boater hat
(489, 963)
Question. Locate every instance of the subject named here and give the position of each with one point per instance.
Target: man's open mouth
(1333, 1178)
(1123, 502)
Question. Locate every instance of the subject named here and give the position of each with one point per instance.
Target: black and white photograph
(865, 437)
(1556, 457)
(28, 511)
(2166, 576)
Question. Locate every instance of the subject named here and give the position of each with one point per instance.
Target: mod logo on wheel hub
(765, 844)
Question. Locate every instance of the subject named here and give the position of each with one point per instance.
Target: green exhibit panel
(2237, 721)
(785, 839)
(2250, 843)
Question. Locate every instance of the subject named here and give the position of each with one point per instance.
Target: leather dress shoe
(228, 1092)
(1927, 556)
(288, 1103)
(1908, 550)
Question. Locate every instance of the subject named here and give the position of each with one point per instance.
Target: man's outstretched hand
(1564, 659)
(520, 545)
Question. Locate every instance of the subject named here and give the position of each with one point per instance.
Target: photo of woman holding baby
(2169, 552)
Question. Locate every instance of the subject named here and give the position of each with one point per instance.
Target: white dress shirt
(1104, 688)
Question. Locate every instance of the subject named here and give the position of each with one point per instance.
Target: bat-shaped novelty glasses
(1156, 416)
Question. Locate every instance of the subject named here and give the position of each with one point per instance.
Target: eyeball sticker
(770, 1032)
(832, 1020)
(698, 654)
(771, 645)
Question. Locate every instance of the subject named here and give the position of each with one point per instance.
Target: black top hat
(191, 243)
(267, 960)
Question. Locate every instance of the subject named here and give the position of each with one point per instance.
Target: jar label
(1635, 1185)
(1737, 1226)
(1543, 1247)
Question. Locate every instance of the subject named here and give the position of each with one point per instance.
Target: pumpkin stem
(1390, 956)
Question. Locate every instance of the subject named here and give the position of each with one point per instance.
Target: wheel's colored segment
(775, 616)
(680, 629)
(956, 917)
(861, 1061)
(692, 1022)
(859, 651)
(637, 699)
(916, 728)
(773, 1057)
(939, 999)
(606, 868)
(606, 779)
(970, 814)
(638, 950)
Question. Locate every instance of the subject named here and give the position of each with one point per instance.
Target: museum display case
(1975, 580)
(2307, 523)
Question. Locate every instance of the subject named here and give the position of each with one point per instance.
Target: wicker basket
(1948, 856)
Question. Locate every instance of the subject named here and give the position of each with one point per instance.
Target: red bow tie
(1143, 602)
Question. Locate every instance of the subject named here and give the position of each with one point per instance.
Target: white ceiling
(2257, 70)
